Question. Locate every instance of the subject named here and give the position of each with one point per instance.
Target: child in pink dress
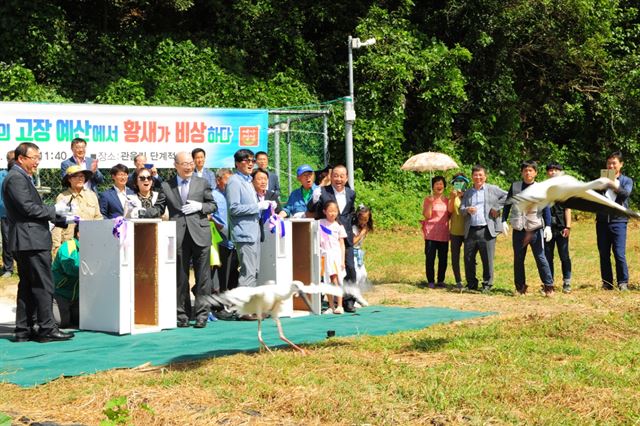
(332, 235)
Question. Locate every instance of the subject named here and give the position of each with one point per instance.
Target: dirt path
(582, 300)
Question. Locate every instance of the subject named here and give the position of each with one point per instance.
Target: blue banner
(116, 134)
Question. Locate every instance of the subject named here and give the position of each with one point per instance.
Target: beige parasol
(429, 161)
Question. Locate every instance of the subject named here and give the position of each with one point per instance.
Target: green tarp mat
(31, 363)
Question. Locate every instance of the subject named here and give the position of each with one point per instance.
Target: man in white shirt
(346, 199)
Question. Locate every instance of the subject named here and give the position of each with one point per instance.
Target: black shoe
(225, 315)
(54, 336)
(349, 305)
(548, 290)
(607, 286)
(183, 324)
(21, 338)
(248, 317)
(201, 323)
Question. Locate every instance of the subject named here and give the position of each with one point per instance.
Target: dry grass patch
(570, 359)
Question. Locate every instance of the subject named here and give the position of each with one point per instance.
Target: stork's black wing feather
(595, 207)
(218, 302)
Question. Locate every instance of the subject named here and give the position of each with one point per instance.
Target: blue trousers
(563, 251)
(520, 253)
(612, 236)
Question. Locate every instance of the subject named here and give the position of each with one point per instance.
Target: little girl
(361, 228)
(332, 236)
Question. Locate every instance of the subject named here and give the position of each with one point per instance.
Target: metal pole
(349, 118)
(325, 134)
(276, 147)
(289, 152)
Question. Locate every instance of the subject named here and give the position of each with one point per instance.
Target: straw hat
(74, 170)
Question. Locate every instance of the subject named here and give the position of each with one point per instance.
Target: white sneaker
(339, 310)
(327, 311)
(357, 305)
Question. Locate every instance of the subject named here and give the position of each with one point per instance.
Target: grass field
(569, 359)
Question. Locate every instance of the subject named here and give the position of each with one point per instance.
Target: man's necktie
(184, 190)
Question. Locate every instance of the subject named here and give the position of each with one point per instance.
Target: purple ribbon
(276, 222)
(325, 233)
(325, 229)
(119, 230)
(265, 215)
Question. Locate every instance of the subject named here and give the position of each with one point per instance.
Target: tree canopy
(490, 81)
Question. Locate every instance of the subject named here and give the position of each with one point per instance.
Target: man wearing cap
(560, 230)
(79, 149)
(81, 201)
(297, 203)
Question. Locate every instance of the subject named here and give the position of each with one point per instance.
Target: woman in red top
(435, 229)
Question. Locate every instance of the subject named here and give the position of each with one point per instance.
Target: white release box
(296, 256)
(129, 286)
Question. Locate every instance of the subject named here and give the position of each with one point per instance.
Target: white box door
(167, 316)
(106, 274)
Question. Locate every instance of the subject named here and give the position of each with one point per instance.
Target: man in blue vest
(530, 228)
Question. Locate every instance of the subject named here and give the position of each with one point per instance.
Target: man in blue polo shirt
(297, 203)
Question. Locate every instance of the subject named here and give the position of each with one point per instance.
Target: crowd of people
(475, 212)
(232, 205)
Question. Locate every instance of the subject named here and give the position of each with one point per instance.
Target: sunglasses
(249, 161)
(144, 178)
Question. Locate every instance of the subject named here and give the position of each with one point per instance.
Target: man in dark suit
(7, 256)
(79, 158)
(346, 199)
(262, 162)
(115, 201)
(190, 202)
(30, 241)
(260, 181)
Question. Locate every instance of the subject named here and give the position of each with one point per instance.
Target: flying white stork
(268, 299)
(573, 194)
